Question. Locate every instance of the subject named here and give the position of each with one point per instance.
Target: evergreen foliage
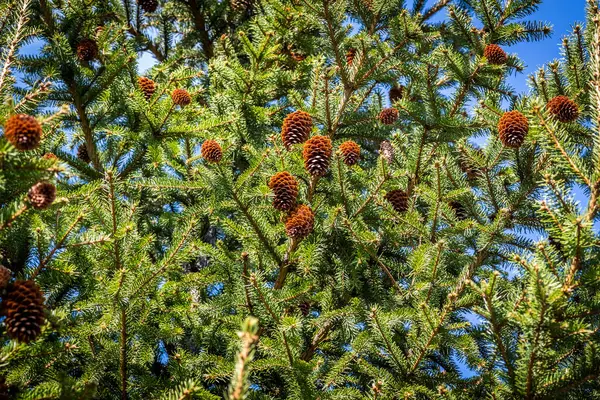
(307, 171)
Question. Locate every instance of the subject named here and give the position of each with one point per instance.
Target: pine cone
(495, 54)
(386, 150)
(181, 97)
(23, 131)
(211, 151)
(87, 50)
(300, 222)
(563, 108)
(5, 274)
(398, 199)
(82, 153)
(241, 5)
(148, 6)
(388, 116)
(23, 307)
(147, 86)
(317, 153)
(50, 157)
(304, 308)
(468, 168)
(368, 4)
(285, 189)
(296, 128)
(350, 54)
(512, 129)
(396, 93)
(296, 56)
(41, 195)
(350, 151)
(459, 210)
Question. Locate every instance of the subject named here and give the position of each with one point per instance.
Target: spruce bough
(285, 206)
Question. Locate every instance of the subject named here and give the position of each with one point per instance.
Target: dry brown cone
(297, 56)
(87, 50)
(304, 308)
(388, 116)
(181, 97)
(317, 154)
(82, 153)
(398, 199)
(386, 150)
(563, 108)
(368, 4)
(5, 274)
(211, 151)
(241, 5)
(23, 131)
(468, 168)
(350, 152)
(147, 86)
(512, 129)
(41, 195)
(300, 222)
(396, 93)
(350, 54)
(23, 307)
(296, 128)
(459, 210)
(495, 54)
(285, 189)
(148, 6)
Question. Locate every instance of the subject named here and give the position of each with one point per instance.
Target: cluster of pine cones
(24, 132)
(513, 126)
(300, 219)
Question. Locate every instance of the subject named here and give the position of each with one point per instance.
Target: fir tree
(304, 170)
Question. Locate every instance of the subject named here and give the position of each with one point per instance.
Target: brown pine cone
(459, 210)
(41, 195)
(297, 56)
(386, 150)
(87, 50)
(241, 5)
(296, 128)
(350, 54)
(300, 222)
(23, 307)
(495, 54)
(5, 274)
(512, 129)
(50, 157)
(304, 308)
(285, 189)
(388, 116)
(468, 168)
(396, 93)
(181, 97)
(317, 154)
(563, 108)
(147, 86)
(148, 6)
(82, 153)
(211, 151)
(23, 131)
(398, 199)
(350, 152)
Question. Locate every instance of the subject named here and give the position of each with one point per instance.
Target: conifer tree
(295, 202)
